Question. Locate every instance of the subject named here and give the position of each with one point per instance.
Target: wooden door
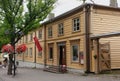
(104, 57)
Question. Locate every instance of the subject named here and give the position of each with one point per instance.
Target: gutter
(87, 37)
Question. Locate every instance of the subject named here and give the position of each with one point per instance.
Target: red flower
(21, 48)
(7, 48)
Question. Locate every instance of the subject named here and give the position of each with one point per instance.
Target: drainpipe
(45, 47)
(87, 37)
(35, 52)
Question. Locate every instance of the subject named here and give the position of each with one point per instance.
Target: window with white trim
(40, 34)
(76, 24)
(60, 29)
(50, 32)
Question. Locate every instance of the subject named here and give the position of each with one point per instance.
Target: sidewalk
(27, 74)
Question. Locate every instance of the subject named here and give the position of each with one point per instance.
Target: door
(104, 57)
(62, 57)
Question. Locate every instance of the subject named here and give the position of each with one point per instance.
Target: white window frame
(40, 34)
(60, 29)
(50, 31)
(76, 24)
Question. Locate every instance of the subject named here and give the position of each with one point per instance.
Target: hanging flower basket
(7, 49)
(21, 48)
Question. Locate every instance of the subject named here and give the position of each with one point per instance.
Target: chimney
(51, 15)
(113, 3)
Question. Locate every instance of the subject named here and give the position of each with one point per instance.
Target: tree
(18, 17)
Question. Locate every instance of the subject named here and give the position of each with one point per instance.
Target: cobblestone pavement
(27, 74)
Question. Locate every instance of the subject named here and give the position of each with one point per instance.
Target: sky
(63, 6)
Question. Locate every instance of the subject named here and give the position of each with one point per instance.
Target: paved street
(25, 74)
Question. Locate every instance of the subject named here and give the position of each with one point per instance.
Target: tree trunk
(10, 64)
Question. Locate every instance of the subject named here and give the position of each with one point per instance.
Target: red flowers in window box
(7, 48)
(21, 48)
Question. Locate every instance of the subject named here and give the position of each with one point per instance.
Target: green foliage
(18, 17)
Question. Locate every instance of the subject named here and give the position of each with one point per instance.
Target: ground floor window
(40, 54)
(50, 52)
(30, 52)
(75, 53)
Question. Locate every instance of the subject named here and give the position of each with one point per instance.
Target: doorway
(62, 57)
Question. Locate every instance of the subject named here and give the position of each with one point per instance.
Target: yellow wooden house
(84, 39)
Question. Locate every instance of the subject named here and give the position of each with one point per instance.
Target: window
(40, 34)
(50, 32)
(26, 53)
(30, 52)
(60, 29)
(31, 37)
(39, 54)
(75, 53)
(50, 53)
(76, 24)
(26, 38)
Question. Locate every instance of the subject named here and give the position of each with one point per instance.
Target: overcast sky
(63, 6)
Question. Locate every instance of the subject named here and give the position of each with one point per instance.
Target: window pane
(31, 52)
(75, 53)
(76, 24)
(51, 53)
(60, 29)
(40, 34)
(39, 54)
(50, 32)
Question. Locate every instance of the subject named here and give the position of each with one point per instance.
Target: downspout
(45, 47)
(35, 53)
(87, 37)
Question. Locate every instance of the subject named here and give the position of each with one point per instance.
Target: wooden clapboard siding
(106, 21)
(67, 27)
(103, 22)
(115, 51)
(68, 36)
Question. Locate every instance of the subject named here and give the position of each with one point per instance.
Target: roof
(77, 9)
(112, 34)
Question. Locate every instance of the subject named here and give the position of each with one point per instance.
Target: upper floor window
(40, 34)
(26, 38)
(31, 36)
(60, 29)
(50, 32)
(76, 24)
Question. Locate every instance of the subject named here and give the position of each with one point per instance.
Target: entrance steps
(55, 69)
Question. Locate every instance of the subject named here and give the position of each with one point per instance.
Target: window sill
(76, 31)
(50, 59)
(49, 36)
(75, 62)
(60, 35)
